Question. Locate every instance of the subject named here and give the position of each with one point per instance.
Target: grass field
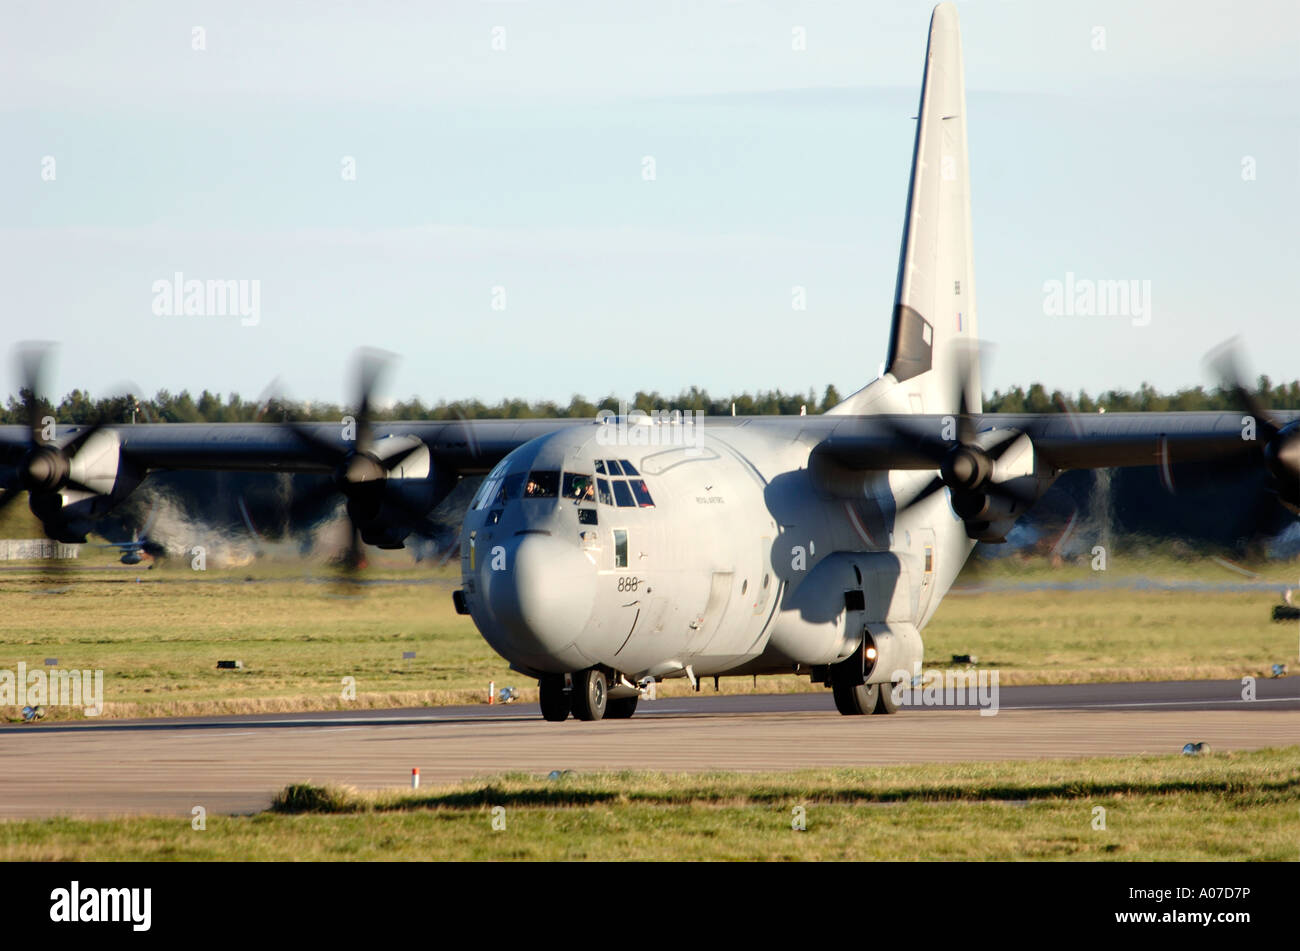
(1218, 807)
(158, 634)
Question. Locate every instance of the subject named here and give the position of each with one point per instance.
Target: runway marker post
(492, 692)
(415, 778)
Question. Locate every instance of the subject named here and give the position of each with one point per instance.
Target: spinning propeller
(1281, 441)
(358, 473)
(46, 465)
(966, 465)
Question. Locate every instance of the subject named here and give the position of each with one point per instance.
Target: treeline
(1145, 400)
(80, 407)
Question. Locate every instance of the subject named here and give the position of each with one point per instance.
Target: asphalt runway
(235, 764)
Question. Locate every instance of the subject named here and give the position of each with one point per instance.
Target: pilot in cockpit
(580, 488)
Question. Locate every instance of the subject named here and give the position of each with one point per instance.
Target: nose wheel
(590, 696)
(555, 702)
(587, 698)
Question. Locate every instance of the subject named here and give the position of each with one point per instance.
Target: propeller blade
(931, 487)
(310, 503)
(355, 559)
(931, 447)
(468, 430)
(1225, 361)
(10, 493)
(370, 366)
(33, 358)
(322, 449)
(1021, 494)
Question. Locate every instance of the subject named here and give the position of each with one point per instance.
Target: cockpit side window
(602, 490)
(542, 484)
(490, 486)
(579, 487)
(600, 467)
(510, 488)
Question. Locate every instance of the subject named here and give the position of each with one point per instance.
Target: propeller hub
(44, 470)
(965, 468)
(360, 468)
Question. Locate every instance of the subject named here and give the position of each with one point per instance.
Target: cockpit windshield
(630, 492)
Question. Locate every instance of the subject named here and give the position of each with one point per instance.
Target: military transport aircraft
(599, 555)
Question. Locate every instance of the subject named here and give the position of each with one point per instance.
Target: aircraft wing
(469, 447)
(463, 447)
(1062, 440)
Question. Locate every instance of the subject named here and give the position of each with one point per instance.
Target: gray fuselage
(723, 553)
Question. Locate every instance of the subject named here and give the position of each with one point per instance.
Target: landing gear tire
(620, 709)
(555, 702)
(590, 695)
(885, 702)
(856, 700)
(852, 700)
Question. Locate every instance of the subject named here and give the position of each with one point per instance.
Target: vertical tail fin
(934, 328)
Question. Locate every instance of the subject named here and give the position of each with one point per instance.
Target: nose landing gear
(585, 694)
(590, 694)
(555, 699)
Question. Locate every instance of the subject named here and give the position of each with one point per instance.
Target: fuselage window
(611, 465)
(542, 484)
(620, 548)
(641, 492)
(623, 495)
(586, 516)
(579, 487)
(628, 468)
(602, 491)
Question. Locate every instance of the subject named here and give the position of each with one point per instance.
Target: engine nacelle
(384, 511)
(1282, 456)
(84, 487)
(989, 515)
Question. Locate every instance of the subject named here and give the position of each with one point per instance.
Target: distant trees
(1146, 400)
(165, 407)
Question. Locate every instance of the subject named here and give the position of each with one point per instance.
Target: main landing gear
(585, 694)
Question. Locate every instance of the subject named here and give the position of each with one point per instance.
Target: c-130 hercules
(599, 555)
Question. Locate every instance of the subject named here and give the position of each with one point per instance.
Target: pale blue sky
(522, 168)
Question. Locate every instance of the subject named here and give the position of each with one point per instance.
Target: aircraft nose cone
(539, 591)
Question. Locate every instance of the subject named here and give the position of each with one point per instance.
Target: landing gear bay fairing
(601, 555)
